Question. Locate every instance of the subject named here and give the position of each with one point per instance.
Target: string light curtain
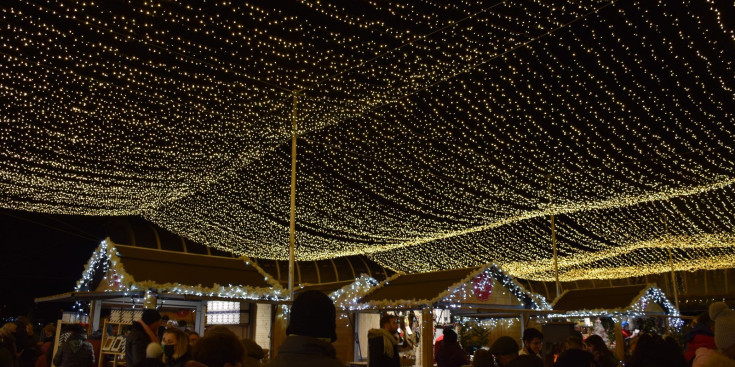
(429, 132)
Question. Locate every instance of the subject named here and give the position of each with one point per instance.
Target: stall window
(223, 313)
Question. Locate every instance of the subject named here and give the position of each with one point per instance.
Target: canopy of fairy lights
(432, 134)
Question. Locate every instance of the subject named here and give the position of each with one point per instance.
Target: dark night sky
(42, 255)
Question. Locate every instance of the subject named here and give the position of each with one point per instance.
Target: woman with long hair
(175, 348)
(603, 356)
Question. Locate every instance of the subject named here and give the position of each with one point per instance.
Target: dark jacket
(305, 351)
(135, 344)
(75, 352)
(376, 351)
(527, 360)
(451, 355)
(179, 362)
(153, 362)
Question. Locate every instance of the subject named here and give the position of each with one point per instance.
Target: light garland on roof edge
(106, 259)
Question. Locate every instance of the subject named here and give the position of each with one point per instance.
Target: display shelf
(113, 344)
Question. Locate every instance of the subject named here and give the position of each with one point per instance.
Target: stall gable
(486, 285)
(490, 292)
(417, 289)
(635, 299)
(127, 268)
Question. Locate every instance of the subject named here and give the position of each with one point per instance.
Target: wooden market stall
(483, 291)
(621, 303)
(120, 275)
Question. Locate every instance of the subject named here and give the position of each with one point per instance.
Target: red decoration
(482, 286)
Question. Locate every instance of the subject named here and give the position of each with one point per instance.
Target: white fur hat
(724, 319)
(154, 350)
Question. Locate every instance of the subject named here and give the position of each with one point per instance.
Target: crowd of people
(311, 331)
(710, 343)
(20, 346)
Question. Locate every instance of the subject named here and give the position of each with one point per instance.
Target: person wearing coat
(76, 351)
(253, 353)
(383, 345)
(142, 333)
(311, 332)
(450, 353)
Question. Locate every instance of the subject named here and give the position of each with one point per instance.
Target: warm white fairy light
(427, 129)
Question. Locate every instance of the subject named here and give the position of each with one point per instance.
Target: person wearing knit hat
(311, 330)
(142, 333)
(724, 319)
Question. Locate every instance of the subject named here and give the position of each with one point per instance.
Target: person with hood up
(383, 345)
(311, 332)
(76, 351)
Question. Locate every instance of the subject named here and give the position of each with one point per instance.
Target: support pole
(292, 228)
(553, 237)
(669, 244)
(199, 318)
(427, 337)
(619, 340)
(95, 313)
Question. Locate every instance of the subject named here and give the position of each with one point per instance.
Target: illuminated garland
(347, 298)
(456, 296)
(427, 128)
(105, 258)
(635, 309)
(488, 323)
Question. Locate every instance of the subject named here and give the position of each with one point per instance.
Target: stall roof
(450, 287)
(611, 300)
(599, 298)
(134, 297)
(421, 286)
(121, 268)
(694, 288)
(163, 267)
